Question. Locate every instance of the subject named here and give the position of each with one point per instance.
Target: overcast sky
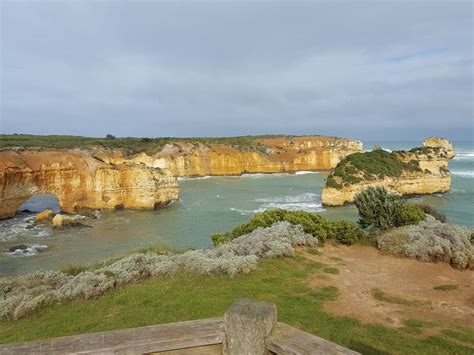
(377, 69)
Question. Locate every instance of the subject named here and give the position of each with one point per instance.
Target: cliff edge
(419, 171)
(80, 181)
(259, 155)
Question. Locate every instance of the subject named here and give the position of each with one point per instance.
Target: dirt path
(363, 269)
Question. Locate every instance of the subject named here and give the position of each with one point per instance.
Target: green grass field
(129, 145)
(185, 297)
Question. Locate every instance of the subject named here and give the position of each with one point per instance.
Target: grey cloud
(361, 69)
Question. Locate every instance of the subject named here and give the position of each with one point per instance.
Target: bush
(25, 293)
(377, 208)
(433, 241)
(382, 210)
(409, 214)
(431, 211)
(312, 223)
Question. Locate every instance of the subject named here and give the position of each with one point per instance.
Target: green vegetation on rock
(369, 166)
(341, 231)
(128, 145)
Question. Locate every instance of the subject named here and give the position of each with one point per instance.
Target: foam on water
(309, 201)
(305, 172)
(464, 174)
(21, 226)
(29, 251)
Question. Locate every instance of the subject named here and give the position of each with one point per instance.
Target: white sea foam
(303, 172)
(309, 201)
(464, 156)
(29, 251)
(21, 226)
(464, 174)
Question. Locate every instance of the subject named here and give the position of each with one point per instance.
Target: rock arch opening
(40, 202)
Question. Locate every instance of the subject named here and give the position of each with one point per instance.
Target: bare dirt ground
(363, 269)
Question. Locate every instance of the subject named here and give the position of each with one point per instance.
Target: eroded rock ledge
(272, 155)
(419, 171)
(80, 181)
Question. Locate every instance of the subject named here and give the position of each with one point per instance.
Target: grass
(446, 287)
(331, 270)
(128, 145)
(385, 297)
(185, 297)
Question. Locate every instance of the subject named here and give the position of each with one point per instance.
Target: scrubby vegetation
(432, 241)
(383, 210)
(23, 294)
(129, 145)
(282, 281)
(368, 166)
(341, 231)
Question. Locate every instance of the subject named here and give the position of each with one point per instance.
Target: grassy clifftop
(129, 145)
(369, 166)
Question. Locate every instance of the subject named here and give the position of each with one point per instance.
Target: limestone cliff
(274, 155)
(419, 171)
(80, 181)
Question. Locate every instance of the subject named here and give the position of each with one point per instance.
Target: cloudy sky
(377, 69)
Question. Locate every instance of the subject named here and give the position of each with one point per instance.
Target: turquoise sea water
(206, 206)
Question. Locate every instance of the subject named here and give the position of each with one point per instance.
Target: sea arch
(80, 181)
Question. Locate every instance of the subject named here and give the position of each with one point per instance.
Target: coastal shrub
(23, 294)
(312, 223)
(432, 211)
(377, 208)
(383, 210)
(431, 240)
(408, 214)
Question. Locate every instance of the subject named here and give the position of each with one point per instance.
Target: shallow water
(206, 206)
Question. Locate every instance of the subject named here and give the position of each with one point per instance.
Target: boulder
(62, 221)
(20, 247)
(45, 217)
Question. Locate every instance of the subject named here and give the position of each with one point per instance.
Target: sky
(400, 70)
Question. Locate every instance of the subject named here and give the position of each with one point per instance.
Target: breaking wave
(28, 250)
(464, 156)
(309, 202)
(464, 174)
(20, 226)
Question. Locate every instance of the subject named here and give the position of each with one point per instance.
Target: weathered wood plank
(286, 340)
(148, 339)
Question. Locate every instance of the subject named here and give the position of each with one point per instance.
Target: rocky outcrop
(45, 217)
(80, 181)
(272, 155)
(419, 171)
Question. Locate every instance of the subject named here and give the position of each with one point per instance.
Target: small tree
(109, 136)
(377, 208)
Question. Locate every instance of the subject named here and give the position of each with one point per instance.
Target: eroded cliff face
(281, 154)
(425, 172)
(80, 181)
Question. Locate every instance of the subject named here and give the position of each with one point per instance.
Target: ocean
(207, 205)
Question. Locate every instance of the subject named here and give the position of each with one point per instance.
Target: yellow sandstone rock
(45, 217)
(432, 177)
(283, 154)
(80, 181)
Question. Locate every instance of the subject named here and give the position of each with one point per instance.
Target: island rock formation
(419, 171)
(80, 181)
(271, 155)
